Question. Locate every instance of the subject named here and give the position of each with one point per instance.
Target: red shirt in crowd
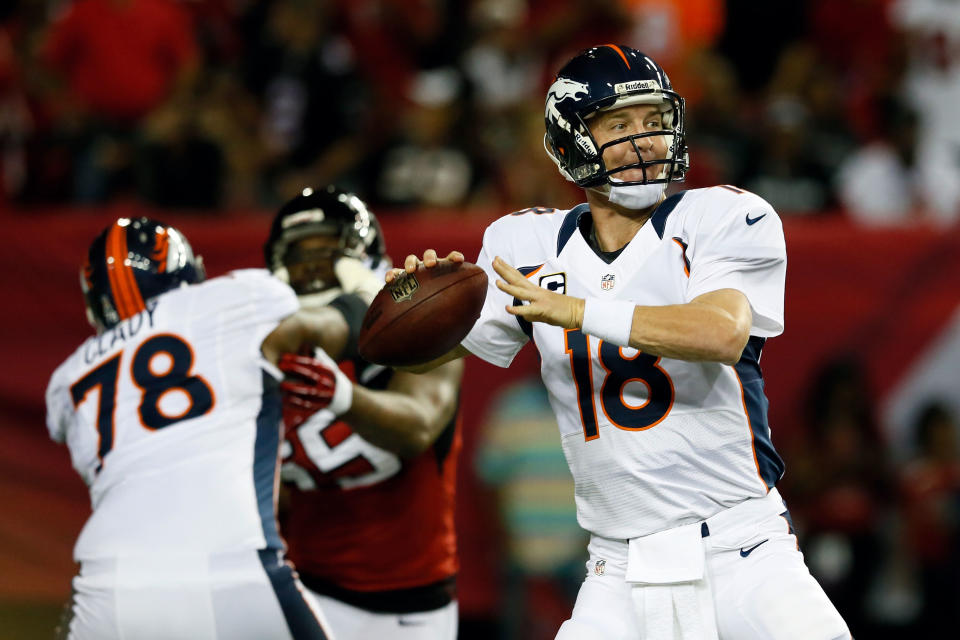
(121, 57)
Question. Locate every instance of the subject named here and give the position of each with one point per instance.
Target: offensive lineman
(369, 463)
(172, 416)
(650, 314)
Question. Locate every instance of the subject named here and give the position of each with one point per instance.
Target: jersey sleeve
(496, 336)
(743, 248)
(267, 301)
(270, 299)
(59, 406)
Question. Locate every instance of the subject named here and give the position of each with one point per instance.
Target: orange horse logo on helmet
(161, 246)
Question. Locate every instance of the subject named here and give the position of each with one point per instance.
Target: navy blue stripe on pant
(301, 620)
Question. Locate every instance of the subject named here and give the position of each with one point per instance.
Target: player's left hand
(543, 305)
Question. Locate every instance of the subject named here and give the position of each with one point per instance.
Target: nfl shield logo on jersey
(600, 567)
(607, 281)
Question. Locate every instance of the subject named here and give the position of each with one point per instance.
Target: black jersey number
(153, 380)
(620, 370)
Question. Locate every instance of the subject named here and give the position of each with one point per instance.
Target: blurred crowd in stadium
(817, 106)
(821, 107)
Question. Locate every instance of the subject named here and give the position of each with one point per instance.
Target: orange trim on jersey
(683, 249)
(753, 436)
(535, 210)
(620, 51)
(534, 272)
(789, 529)
(731, 188)
(126, 294)
(307, 600)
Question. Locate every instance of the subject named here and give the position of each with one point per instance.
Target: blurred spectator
(786, 169)
(932, 86)
(178, 164)
(930, 486)
(877, 184)
(841, 489)
(677, 33)
(429, 161)
(560, 28)
(866, 59)
(120, 59)
(314, 103)
(520, 456)
(504, 71)
(523, 172)
(720, 142)
(755, 50)
(805, 135)
(16, 123)
(395, 39)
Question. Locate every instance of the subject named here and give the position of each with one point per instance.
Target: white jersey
(172, 418)
(653, 443)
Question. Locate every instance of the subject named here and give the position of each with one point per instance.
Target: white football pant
(761, 589)
(243, 595)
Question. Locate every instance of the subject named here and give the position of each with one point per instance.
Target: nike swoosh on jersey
(755, 220)
(745, 553)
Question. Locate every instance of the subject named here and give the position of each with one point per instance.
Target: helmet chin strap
(635, 196)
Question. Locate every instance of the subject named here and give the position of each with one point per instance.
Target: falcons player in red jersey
(370, 458)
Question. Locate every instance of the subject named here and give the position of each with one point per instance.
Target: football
(422, 315)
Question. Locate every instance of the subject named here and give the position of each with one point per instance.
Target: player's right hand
(311, 384)
(430, 260)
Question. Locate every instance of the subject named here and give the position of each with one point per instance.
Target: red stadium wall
(881, 294)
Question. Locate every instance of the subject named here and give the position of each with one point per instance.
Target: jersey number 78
(152, 384)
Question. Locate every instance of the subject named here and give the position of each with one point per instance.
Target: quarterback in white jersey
(172, 417)
(650, 314)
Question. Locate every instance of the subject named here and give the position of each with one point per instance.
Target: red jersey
(364, 526)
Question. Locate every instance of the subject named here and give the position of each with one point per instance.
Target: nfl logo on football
(607, 281)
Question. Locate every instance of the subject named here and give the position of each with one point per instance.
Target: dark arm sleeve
(353, 308)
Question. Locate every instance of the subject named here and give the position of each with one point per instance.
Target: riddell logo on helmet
(636, 85)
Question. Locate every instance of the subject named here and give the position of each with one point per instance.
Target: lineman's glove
(312, 384)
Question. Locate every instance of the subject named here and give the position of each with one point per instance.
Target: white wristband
(343, 392)
(609, 320)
